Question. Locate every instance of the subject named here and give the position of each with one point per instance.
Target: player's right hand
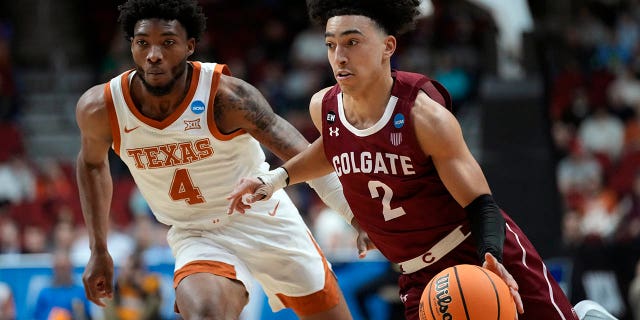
(494, 265)
(246, 192)
(363, 243)
(98, 278)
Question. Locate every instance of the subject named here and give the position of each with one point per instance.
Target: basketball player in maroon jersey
(406, 171)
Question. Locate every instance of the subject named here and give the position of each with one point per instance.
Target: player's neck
(365, 107)
(160, 107)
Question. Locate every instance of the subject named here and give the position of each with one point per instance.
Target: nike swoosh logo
(127, 130)
(273, 213)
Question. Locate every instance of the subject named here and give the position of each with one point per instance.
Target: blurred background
(547, 92)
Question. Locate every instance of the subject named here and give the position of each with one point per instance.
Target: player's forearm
(329, 189)
(487, 225)
(309, 164)
(96, 188)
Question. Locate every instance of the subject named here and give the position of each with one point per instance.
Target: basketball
(467, 292)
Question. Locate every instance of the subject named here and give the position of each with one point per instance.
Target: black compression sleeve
(487, 226)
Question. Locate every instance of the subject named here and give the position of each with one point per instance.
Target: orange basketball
(467, 292)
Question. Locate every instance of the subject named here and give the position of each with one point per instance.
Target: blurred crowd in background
(589, 65)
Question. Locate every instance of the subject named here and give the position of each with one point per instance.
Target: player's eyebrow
(343, 33)
(166, 33)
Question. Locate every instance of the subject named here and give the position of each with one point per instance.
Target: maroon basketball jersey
(391, 185)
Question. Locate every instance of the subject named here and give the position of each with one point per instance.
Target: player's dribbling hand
(491, 263)
(98, 278)
(254, 190)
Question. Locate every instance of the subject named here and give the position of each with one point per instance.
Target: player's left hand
(491, 263)
(246, 192)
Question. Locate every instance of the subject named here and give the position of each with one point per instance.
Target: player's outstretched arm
(305, 165)
(95, 188)
(239, 105)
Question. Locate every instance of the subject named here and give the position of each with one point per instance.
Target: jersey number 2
(387, 212)
(183, 189)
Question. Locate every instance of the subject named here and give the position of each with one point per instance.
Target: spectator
(17, 180)
(34, 239)
(453, 77)
(602, 134)
(578, 174)
(624, 93)
(63, 235)
(7, 303)
(119, 242)
(137, 293)
(63, 299)
(334, 235)
(629, 229)
(9, 237)
(602, 215)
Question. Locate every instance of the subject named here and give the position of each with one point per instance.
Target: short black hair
(187, 12)
(393, 16)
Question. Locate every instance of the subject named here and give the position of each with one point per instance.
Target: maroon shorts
(541, 296)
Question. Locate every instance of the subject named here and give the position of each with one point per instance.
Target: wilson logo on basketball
(466, 292)
(442, 296)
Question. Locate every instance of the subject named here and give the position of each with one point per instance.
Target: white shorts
(270, 243)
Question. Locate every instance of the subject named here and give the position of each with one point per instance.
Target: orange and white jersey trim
(184, 166)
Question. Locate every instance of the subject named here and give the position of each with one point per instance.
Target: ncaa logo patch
(197, 106)
(398, 121)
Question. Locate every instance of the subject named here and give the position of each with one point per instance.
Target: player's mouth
(343, 74)
(154, 75)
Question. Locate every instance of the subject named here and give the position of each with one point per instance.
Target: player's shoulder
(230, 86)
(428, 111)
(319, 96)
(93, 99)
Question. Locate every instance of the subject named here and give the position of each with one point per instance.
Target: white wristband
(277, 178)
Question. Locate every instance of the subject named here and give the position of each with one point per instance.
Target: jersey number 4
(387, 212)
(182, 188)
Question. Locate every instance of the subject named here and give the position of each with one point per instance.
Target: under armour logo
(332, 131)
(403, 297)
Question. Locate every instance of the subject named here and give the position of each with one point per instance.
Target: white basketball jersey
(184, 166)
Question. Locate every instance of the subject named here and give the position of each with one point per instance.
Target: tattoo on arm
(241, 106)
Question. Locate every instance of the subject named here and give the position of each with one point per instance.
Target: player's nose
(155, 54)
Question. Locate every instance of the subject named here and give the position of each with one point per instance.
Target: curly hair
(187, 12)
(393, 16)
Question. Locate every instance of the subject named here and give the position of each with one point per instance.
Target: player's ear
(191, 46)
(389, 46)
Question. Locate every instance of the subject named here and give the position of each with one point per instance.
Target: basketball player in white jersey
(187, 132)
